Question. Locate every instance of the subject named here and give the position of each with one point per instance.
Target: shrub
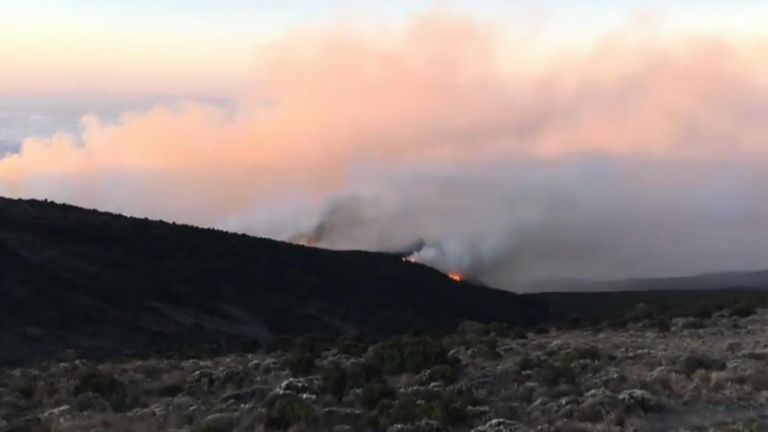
(553, 375)
(472, 328)
(300, 362)
(351, 347)
(372, 394)
(444, 373)
(360, 374)
(487, 348)
(742, 311)
(409, 354)
(704, 310)
(590, 352)
(758, 381)
(499, 329)
(289, 411)
(26, 388)
(334, 381)
(527, 362)
(518, 333)
(103, 384)
(616, 323)
(693, 362)
(663, 325)
(169, 389)
(219, 423)
(443, 407)
(98, 382)
(640, 312)
(693, 324)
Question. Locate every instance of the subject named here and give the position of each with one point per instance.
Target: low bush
(351, 347)
(372, 394)
(409, 354)
(360, 374)
(98, 382)
(662, 325)
(442, 407)
(758, 381)
(103, 384)
(499, 329)
(288, 412)
(446, 374)
(742, 311)
(300, 362)
(693, 324)
(694, 362)
(334, 381)
(590, 352)
(526, 363)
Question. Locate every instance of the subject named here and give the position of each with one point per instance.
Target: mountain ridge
(104, 284)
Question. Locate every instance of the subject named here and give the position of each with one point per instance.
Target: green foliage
(219, 423)
(693, 362)
(170, 389)
(360, 374)
(487, 348)
(704, 310)
(447, 374)
(619, 308)
(98, 382)
(373, 393)
(334, 381)
(499, 329)
(409, 354)
(25, 388)
(444, 407)
(300, 362)
(758, 381)
(103, 384)
(555, 374)
(484, 346)
(518, 333)
(694, 324)
(526, 363)
(589, 352)
(351, 347)
(742, 310)
(662, 325)
(290, 411)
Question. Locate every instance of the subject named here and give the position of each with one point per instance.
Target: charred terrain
(116, 323)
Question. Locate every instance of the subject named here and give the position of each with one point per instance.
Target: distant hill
(617, 300)
(707, 281)
(107, 284)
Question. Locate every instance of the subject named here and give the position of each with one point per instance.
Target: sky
(512, 140)
(203, 47)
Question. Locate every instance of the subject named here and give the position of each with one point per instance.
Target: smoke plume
(632, 158)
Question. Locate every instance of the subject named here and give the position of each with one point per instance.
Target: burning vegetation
(454, 275)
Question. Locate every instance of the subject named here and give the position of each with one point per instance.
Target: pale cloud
(635, 157)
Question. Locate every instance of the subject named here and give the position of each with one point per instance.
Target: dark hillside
(106, 284)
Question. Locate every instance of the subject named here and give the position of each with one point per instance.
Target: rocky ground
(690, 374)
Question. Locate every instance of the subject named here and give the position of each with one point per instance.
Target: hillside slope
(107, 284)
(709, 281)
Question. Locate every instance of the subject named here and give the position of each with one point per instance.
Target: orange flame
(456, 276)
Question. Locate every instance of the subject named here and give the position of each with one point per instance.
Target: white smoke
(631, 159)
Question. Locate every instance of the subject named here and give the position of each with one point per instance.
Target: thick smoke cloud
(628, 159)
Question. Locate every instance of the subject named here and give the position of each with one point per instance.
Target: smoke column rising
(632, 158)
